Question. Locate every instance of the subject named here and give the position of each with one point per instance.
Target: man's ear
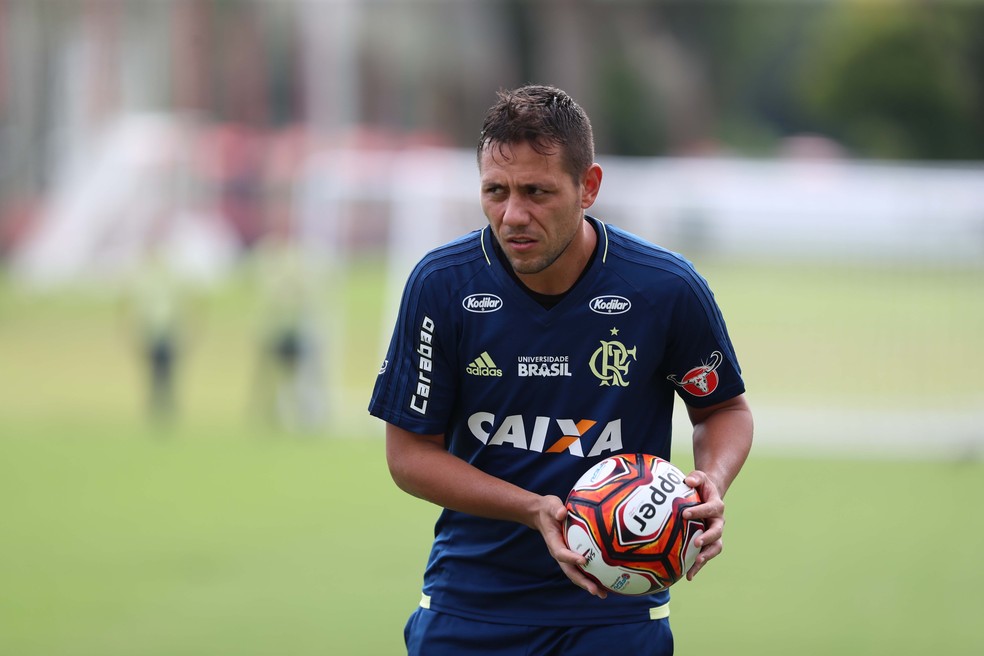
(590, 186)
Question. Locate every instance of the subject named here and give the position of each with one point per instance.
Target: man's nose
(515, 212)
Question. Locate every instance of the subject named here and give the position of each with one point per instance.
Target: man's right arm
(421, 466)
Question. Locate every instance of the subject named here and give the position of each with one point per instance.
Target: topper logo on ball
(659, 491)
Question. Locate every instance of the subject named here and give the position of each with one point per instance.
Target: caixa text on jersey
(547, 434)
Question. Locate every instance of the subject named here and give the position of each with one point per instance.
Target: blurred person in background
(158, 311)
(288, 385)
(629, 325)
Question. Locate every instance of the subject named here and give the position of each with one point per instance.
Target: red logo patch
(702, 380)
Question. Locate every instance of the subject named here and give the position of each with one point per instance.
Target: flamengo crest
(610, 362)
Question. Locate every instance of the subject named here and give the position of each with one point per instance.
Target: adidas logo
(483, 366)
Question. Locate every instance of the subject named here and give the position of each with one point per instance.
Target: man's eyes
(496, 190)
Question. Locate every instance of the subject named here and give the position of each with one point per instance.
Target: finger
(707, 553)
(712, 533)
(567, 557)
(581, 580)
(703, 484)
(560, 514)
(695, 478)
(692, 572)
(707, 510)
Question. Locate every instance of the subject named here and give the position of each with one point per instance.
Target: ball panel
(617, 578)
(603, 474)
(694, 530)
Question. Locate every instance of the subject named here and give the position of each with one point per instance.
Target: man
(524, 353)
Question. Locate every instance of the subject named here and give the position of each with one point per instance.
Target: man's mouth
(521, 243)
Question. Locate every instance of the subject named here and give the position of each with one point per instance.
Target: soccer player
(524, 353)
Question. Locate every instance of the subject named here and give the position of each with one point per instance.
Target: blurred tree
(900, 83)
(754, 57)
(630, 119)
(657, 87)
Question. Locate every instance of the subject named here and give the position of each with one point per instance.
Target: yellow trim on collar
(604, 230)
(481, 238)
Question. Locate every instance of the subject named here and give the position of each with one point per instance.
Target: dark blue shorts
(430, 633)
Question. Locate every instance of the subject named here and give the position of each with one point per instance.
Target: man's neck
(550, 300)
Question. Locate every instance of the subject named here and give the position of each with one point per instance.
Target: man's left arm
(722, 440)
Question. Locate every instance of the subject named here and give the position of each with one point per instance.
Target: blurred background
(208, 209)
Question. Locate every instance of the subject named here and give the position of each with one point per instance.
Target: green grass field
(222, 535)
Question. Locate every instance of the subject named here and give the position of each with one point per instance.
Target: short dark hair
(545, 117)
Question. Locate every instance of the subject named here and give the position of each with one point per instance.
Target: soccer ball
(625, 516)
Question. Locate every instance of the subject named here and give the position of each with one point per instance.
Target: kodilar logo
(481, 303)
(610, 304)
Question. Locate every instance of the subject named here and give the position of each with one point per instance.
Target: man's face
(534, 207)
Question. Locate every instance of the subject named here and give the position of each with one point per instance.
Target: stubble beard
(543, 262)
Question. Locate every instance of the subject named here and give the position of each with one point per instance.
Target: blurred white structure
(826, 210)
(785, 210)
(782, 210)
(138, 188)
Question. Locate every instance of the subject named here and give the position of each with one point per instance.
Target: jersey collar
(599, 226)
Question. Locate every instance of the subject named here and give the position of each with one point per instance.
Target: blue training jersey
(536, 396)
